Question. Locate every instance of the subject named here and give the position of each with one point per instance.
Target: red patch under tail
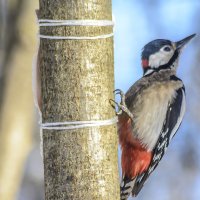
(135, 158)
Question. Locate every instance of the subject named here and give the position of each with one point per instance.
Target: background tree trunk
(77, 83)
(16, 102)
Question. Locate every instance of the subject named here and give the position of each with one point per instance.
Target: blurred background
(137, 23)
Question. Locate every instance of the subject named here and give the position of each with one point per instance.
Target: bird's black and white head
(162, 54)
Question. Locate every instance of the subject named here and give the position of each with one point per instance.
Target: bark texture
(77, 83)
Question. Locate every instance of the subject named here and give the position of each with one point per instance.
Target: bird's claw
(121, 107)
(122, 96)
(114, 104)
(121, 93)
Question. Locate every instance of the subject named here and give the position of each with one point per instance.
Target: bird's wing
(174, 116)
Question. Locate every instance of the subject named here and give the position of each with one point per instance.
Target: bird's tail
(126, 187)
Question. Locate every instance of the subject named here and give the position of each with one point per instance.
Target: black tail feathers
(126, 187)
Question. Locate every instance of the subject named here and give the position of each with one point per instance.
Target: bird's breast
(149, 110)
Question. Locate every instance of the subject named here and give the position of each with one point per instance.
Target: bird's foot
(121, 107)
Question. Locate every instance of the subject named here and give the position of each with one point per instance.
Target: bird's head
(162, 54)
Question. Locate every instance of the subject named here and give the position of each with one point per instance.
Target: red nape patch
(145, 63)
(135, 158)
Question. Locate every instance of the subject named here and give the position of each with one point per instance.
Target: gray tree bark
(77, 80)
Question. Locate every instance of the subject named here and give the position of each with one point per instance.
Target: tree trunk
(77, 83)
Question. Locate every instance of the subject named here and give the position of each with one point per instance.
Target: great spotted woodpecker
(150, 113)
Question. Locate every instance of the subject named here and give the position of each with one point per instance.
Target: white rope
(51, 22)
(76, 37)
(77, 124)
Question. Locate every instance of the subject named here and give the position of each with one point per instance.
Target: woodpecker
(150, 113)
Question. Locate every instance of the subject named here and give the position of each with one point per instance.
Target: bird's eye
(167, 49)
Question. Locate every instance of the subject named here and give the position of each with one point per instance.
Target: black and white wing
(174, 116)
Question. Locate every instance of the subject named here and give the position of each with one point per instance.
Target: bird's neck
(169, 67)
(172, 64)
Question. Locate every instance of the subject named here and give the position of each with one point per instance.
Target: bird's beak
(180, 44)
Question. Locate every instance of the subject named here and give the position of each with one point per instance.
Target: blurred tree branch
(16, 104)
(11, 11)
